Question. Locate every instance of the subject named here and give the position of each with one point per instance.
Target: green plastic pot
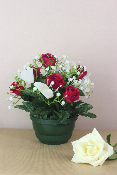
(53, 132)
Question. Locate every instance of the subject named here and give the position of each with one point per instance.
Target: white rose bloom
(44, 89)
(91, 149)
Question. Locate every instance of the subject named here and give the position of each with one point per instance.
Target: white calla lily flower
(44, 89)
(27, 75)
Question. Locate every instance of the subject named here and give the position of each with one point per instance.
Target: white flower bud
(58, 94)
(62, 103)
(52, 82)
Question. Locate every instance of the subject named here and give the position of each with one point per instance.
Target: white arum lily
(44, 89)
(27, 75)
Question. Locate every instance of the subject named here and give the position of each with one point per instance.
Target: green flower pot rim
(42, 121)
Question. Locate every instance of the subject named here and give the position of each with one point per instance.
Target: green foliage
(36, 106)
(114, 156)
(22, 107)
(108, 139)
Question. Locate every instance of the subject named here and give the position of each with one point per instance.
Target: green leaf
(36, 112)
(27, 92)
(57, 106)
(45, 117)
(29, 106)
(81, 93)
(115, 144)
(65, 115)
(114, 156)
(108, 139)
(53, 117)
(91, 115)
(86, 107)
(59, 115)
(22, 107)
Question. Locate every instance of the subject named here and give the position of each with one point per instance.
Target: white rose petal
(44, 89)
(91, 149)
(55, 56)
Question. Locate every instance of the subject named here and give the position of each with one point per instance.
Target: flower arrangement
(52, 88)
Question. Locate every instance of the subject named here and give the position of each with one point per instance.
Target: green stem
(115, 144)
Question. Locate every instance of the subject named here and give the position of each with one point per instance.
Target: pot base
(53, 140)
(53, 132)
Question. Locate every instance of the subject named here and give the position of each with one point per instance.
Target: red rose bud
(57, 79)
(48, 59)
(16, 89)
(82, 72)
(36, 71)
(71, 94)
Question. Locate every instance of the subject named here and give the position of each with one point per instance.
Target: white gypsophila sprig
(58, 94)
(9, 107)
(34, 89)
(62, 103)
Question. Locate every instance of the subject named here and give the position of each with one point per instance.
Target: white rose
(91, 149)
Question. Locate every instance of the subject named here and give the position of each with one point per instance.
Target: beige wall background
(84, 30)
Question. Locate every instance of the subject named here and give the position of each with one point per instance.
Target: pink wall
(84, 30)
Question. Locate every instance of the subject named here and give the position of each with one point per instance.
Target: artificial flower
(15, 88)
(48, 59)
(27, 75)
(57, 79)
(71, 94)
(44, 89)
(91, 149)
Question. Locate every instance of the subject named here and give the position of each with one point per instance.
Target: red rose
(57, 79)
(82, 72)
(48, 59)
(71, 94)
(36, 71)
(16, 89)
